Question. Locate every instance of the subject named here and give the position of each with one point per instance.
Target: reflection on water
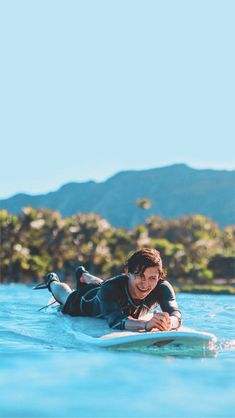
(46, 372)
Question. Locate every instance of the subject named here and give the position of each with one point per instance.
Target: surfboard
(183, 337)
(95, 332)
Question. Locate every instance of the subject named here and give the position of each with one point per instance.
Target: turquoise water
(46, 372)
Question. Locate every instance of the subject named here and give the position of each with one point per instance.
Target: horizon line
(98, 181)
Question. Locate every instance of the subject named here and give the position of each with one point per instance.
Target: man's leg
(84, 277)
(90, 279)
(60, 291)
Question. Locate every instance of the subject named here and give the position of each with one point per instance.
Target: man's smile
(143, 290)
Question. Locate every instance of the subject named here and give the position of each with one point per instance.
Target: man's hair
(144, 258)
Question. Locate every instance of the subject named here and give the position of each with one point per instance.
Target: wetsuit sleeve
(169, 304)
(110, 308)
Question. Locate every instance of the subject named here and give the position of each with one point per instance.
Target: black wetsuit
(111, 300)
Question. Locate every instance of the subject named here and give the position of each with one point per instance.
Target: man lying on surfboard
(124, 299)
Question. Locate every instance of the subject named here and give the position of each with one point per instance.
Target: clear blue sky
(93, 87)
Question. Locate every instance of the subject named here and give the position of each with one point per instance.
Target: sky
(94, 87)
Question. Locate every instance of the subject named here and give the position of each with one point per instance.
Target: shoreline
(206, 289)
(190, 288)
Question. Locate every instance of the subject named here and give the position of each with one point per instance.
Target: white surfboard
(95, 331)
(183, 337)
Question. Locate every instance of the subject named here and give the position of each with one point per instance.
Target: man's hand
(160, 321)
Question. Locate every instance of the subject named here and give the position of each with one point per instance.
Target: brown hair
(143, 258)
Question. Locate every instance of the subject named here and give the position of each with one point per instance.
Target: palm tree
(143, 203)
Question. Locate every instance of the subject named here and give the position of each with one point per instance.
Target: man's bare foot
(84, 277)
(90, 279)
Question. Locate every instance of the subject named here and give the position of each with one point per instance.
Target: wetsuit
(111, 300)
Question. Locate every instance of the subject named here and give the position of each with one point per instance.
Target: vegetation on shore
(215, 289)
(194, 249)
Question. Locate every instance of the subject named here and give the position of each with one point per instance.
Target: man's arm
(160, 321)
(113, 313)
(168, 304)
(167, 320)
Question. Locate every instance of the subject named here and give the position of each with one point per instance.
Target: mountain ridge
(174, 191)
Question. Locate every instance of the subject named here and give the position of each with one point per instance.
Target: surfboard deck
(185, 337)
(95, 332)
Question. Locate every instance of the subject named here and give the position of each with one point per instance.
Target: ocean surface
(47, 370)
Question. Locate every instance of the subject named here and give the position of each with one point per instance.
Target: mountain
(174, 191)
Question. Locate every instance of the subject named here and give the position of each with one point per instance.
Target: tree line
(194, 248)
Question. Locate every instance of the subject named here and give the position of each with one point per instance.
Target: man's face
(140, 285)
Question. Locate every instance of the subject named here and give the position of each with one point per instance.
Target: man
(124, 299)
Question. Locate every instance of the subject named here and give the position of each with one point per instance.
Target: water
(46, 372)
